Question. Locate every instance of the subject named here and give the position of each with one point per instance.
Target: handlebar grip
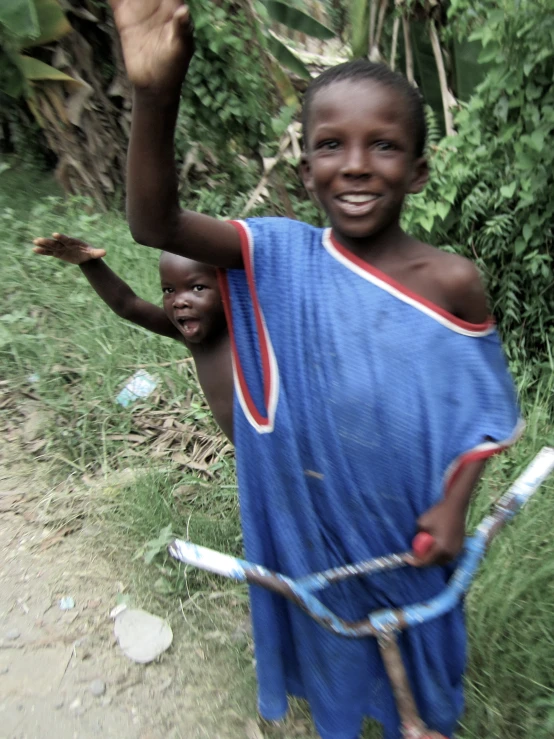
(422, 543)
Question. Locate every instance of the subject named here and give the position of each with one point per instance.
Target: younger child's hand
(445, 522)
(157, 41)
(72, 251)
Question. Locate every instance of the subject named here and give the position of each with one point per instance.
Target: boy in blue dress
(370, 383)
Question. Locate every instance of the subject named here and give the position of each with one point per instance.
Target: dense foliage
(490, 195)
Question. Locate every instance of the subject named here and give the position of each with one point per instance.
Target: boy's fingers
(182, 14)
(67, 240)
(182, 21)
(97, 253)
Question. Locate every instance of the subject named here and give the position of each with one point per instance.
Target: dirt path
(61, 672)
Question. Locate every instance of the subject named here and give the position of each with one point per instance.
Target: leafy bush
(490, 194)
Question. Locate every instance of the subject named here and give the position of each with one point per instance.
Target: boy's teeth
(358, 197)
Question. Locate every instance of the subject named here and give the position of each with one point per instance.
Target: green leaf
(165, 533)
(527, 232)
(53, 24)
(507, 191)
(34, 69)
(427, 222)
(19, 17)
(297, 20)
(537, 140)
(287, 58)
(442, 210)
(519, 247)
(150, 555)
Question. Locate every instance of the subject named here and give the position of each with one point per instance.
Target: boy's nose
(181, 300)
(356, 162)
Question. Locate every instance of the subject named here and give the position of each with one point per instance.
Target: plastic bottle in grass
(140, 385)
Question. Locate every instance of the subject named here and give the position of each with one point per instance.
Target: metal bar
(320, 580)
(412, 725)
(240, 569)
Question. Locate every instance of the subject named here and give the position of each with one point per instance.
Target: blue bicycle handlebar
(379, 622)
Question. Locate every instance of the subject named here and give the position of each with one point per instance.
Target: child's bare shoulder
(457, 280)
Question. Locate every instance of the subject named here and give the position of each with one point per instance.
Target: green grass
(53, 326)
(63, 347)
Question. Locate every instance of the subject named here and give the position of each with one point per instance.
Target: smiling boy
(361, 355)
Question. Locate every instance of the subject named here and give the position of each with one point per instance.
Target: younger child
(192, 312)
(371, 382)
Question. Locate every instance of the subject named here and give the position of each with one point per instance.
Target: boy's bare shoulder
(459, 283)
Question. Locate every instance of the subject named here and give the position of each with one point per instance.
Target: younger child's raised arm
(111, 288)
(158, 45)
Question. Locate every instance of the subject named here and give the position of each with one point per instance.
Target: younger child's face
(191, 298)
(360, 160)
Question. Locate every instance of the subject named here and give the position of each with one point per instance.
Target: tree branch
(394, 43)
(447, 97)
(408, 49)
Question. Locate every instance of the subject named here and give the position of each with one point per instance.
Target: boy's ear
(306, 173)
(420, 175)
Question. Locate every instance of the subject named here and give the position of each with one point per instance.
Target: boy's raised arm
(158, 45)
(109, 287)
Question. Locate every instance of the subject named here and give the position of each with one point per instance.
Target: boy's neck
(379, 247)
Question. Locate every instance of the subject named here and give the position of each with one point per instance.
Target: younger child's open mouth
(189, 326)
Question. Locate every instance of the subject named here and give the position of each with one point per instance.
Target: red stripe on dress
(261, 420)
(374, 272)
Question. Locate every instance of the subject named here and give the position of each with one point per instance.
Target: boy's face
(191, 298)
(360, 161)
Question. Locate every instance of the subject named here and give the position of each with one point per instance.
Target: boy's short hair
(363, 69)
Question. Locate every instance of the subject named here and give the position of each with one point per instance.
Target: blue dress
(356, 402)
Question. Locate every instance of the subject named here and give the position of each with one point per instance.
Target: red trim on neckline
(382, 277)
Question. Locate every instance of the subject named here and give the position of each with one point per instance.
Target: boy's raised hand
(72, 251)
(157, 41)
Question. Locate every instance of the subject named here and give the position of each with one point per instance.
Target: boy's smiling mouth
(356, 203)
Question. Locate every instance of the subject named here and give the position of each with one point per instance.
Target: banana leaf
(468, 71)
(52, 22)
(297, 20)
(426, 72)
(287, 58)
(34, 70)
(284, 85)
(20, 18)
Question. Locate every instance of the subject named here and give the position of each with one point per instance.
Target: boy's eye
(385, 146)
(329, 145)
(198, 288)
(167, 290)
